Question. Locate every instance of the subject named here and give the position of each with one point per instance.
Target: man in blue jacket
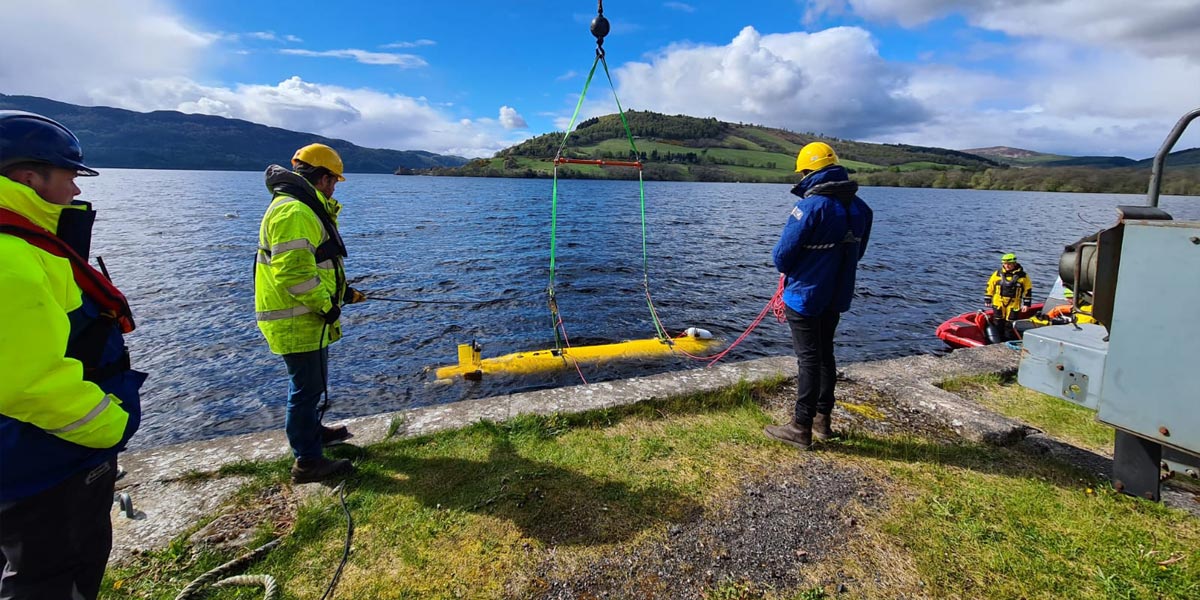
(822, 242)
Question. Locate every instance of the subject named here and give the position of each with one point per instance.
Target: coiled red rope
(774, 305)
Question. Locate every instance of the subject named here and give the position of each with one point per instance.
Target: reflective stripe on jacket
(54, 422)
(292, 288)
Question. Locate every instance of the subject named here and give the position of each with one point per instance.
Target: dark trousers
(812, 337)
(56, 543)
(308, 374)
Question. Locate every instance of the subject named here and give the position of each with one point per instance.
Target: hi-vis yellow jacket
(298, 275)
(55, 419)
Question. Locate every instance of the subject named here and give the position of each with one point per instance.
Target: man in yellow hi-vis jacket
(299, 287)
(1009, 293)
(69, 400)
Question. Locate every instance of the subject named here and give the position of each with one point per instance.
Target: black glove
(332, 315)
(353, 296)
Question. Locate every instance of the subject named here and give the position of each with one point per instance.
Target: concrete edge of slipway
(167, 503)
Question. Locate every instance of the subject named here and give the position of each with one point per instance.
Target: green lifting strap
(556, 320)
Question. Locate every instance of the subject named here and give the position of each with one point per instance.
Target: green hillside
(113, 137)
(1018, 157)
(683, 148)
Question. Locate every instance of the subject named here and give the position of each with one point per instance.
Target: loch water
(474, 254)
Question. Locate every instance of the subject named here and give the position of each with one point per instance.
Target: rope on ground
(225, 569)
(266, 581)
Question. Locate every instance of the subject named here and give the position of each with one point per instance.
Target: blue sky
(1067, 76)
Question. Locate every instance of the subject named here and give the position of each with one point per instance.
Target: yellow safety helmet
(815, 156)
(320, 155)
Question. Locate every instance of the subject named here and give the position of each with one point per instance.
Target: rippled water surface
(181, 245)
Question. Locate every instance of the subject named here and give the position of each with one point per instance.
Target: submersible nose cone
(600, 28)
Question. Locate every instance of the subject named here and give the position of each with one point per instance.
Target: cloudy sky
(1079, 77)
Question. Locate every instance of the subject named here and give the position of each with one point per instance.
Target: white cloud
(413, 44)
(363, 116)
(680, 6)
(1116, 104)
(1150, 27)
(138, 55)
(571, 74)
(511, 119)
(93, 44)
(404, 61)
(831, 81)
(271, 36)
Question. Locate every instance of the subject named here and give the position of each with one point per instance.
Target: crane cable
(599, 28)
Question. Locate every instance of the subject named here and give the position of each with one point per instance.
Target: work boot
(821, 429)
(309, 470)
(332, 436)
(793, 434)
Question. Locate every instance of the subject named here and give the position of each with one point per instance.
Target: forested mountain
(113, 137)
(685, 148)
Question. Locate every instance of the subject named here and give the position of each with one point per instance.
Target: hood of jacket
(833, 181)
(282, 182)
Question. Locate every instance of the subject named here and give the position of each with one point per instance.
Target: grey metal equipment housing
(1139, 368)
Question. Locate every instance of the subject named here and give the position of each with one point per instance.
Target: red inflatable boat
(966, 330)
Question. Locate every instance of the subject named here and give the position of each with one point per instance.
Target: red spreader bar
(603, 163)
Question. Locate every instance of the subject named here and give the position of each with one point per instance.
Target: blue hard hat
(29, 137)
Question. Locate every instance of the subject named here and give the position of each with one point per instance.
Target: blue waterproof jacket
(825, 236)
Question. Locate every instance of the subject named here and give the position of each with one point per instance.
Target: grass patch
(1058, 418)
(462, 513)
(478, 511)
(986, 522)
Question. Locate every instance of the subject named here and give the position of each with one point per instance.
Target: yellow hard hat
(320, 155)
(815, 156)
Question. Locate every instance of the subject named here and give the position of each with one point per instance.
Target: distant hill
(113, 137)
(1015, 156)
(1030, 158)
(684, 148)
(1182, 158)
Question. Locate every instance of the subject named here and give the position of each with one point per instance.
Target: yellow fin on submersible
(472, 366)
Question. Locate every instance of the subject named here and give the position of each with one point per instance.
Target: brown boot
(793, 434)
(310, 470)
(821, 428)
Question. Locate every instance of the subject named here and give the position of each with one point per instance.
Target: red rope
(774, 305)
(567, 342)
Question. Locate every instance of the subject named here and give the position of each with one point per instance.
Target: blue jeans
(812, 338)
(308, 374)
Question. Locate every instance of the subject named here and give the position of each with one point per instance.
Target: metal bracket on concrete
(1136, 466)
(125, 502)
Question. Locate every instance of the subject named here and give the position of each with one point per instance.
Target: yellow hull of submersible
(472, 366)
